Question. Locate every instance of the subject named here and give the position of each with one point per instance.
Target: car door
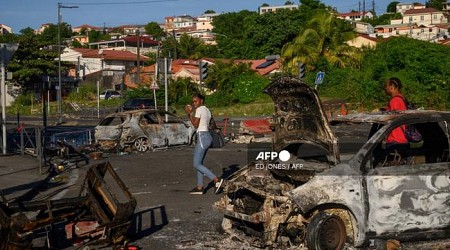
(177, 131)
(405, 198)
(111, 127)
(413, 193)
(154, 129)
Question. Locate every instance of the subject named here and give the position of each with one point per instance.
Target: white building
(269, 9)
(5, 29)
(204, 22)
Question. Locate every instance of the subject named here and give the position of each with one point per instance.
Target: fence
(30, 139)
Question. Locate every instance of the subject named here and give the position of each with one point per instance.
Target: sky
(20, 14)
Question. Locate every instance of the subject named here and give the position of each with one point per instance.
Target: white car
(109, 93)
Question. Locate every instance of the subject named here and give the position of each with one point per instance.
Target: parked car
(138, 103)
(110, 93)
(142, 130)
(330, 200)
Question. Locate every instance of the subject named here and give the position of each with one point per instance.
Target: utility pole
(364, 7)
(6, 53)
(373, 7)
(138, 57)
(174, 45)
(59, 59)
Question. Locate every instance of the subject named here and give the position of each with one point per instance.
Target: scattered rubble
(101, 213)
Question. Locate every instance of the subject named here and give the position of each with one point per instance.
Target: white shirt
(204, 114)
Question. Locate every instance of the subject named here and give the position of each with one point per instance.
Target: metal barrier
(75, 138)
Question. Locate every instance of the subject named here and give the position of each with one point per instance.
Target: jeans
(203, 143)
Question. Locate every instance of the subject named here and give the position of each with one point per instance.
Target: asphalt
(19, 174)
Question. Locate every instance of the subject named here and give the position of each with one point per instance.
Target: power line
(122, 3)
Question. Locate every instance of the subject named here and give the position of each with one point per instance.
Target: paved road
(169, 217)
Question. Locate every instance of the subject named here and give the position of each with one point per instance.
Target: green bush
(249, 87)
(83, 93)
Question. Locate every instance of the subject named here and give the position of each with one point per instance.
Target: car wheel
(326, 231)
(142, 144)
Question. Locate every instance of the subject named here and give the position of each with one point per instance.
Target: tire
(325, 232)
(142, 144)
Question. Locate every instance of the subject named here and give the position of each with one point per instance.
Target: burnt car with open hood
(326, 199)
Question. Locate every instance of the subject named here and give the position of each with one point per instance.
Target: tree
(154, 29)
(209, 12)
(323, 37)
(392, 7)
(188, 47)
(50, 34)
(309, 5)
(95, 36)
(383, 19)
(182, 89)
(248, 35)
(230, 33)
(32, 60)
(266, 34)
(233, 82)
(437, 4)
(289, 3)
(265, 5)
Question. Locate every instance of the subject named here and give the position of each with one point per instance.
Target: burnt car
(327, 200)
(142, 130)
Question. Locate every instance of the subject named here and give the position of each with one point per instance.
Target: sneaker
(196, 191)
(218, 186)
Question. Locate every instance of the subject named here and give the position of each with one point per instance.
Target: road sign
(319, 77)
(154, 85)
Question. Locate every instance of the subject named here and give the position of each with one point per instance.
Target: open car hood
(299, 117)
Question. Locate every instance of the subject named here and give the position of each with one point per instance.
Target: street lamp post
(59, 59)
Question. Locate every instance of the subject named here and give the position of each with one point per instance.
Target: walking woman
(201, 120)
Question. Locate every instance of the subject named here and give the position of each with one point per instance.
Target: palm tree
(323, 37)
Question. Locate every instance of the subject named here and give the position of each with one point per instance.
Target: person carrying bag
(200, 117)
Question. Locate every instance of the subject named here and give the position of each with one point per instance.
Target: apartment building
(402, 7)
(269, 9)
(424, 16)
(204, 22)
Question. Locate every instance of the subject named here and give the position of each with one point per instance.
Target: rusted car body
(142, 130)
(330, 200)
(101, 213)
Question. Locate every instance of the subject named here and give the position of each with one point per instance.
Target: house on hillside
(362, 27)
(355, 15)
(106, 65)
(42, 28)
(424, 16)
(264, 67)
(204, 22)
(85, 28)
(270, 9)
(129, 43)
(5, 29)
(402, 7)
(363, 40)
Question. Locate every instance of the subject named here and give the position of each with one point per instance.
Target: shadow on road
(227, 172)
(148, 222)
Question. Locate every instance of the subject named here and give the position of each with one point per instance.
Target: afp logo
(283, 155)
